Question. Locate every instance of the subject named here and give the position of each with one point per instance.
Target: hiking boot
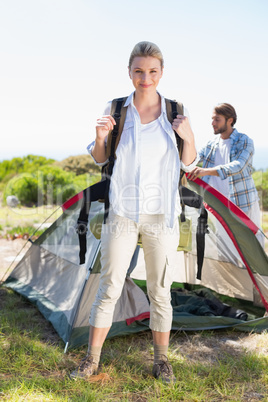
(163, 370)
(85, 369)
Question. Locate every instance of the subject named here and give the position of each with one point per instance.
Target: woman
(143, 200)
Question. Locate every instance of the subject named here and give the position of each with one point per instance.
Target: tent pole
(66, 347)
(81, 294)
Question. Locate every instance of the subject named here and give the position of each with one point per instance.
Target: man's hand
(200, 172)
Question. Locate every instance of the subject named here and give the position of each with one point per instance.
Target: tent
(235, 266)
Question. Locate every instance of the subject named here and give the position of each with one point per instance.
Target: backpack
(100, 190)
(118, 111)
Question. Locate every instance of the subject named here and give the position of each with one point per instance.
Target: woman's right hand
(103, 126)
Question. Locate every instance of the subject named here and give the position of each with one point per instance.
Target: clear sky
(62, 60)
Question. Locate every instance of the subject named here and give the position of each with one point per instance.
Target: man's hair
(146, 49)
(226, 110)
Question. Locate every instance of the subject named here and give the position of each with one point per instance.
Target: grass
(30, 218)
(21, 231)
(22, 220)
(208, 366)
(265, 221)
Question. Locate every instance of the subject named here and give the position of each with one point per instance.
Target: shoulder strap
(118, 111)
(173, 109)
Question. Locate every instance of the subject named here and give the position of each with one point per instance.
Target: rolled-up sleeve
(89, 149)
(188, 168)
(240, 160)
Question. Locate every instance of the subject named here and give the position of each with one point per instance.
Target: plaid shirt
(241, 185)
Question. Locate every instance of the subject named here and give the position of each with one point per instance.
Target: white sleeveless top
(153, 152)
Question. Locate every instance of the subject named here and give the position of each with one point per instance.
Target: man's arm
(242, 158)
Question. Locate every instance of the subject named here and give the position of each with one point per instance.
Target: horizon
(260, 159)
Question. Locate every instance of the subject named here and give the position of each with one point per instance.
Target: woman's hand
(103, 126)
(182, 127)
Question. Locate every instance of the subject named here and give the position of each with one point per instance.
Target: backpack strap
(174, 108)
(187, 196)
(92, 193)
(100, 190)
(202, 230)
(118, 111)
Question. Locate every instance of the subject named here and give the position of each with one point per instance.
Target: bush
(55, 184)
(49, 185)
(261, 183)
(86, 180)
(79, 164)
(29, 164)
(23, 186)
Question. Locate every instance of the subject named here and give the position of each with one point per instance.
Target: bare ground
(11, 251)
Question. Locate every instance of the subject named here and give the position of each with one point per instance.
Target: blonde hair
(146, 49)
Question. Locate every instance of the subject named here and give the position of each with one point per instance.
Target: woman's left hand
(182, 127)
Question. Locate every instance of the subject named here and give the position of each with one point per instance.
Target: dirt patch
(217, 344)
(11, 252)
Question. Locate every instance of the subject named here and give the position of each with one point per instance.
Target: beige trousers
(118, 242)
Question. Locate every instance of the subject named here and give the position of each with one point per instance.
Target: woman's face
(145, 73)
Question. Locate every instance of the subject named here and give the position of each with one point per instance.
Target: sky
(62, 60)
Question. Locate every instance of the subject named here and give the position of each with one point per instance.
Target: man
(227, 163)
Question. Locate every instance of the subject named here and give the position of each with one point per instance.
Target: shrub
(79, 164)
(55, 184)
(23, 186)
(261, 183)
(49, 185)
(86, 180)
(29, 164)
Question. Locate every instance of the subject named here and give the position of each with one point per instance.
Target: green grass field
(209, 366)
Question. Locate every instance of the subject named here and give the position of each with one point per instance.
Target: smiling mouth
(145, 85)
